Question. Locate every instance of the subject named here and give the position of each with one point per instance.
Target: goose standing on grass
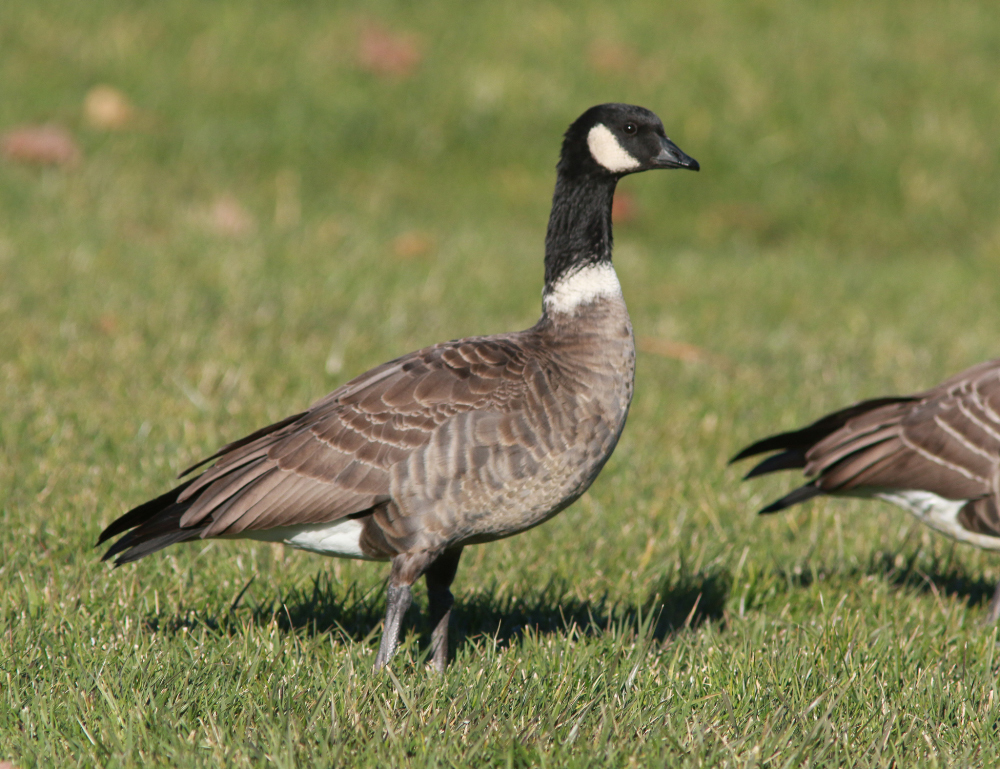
(457, 444)
(936, 454)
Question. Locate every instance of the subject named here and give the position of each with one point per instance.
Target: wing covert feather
(946, 441)
(334, 460)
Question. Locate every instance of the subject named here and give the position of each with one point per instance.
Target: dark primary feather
(142, 513)
(155, 533)
(242, 442)
(945, 441)
(801, 494)
(797, 442)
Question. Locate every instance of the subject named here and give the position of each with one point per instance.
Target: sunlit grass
(841, 242)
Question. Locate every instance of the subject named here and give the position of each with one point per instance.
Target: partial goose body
(935, 454)
(468, 441)
(457, 444)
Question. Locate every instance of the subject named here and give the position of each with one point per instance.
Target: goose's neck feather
(579, 233)
(577, 288)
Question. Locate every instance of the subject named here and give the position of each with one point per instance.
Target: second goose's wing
(945, 441)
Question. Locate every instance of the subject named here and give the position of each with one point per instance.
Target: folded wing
(945, 441)
(333, 460)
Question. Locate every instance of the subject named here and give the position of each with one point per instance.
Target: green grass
(841, 242)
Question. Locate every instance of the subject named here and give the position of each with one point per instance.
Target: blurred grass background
(302, 190)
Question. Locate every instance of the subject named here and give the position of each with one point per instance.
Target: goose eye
(630, 128)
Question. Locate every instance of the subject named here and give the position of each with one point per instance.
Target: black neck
(579, 231)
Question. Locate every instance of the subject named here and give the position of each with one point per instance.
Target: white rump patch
(939, 513)
(608, 151)
(340, 539)
(571, 291)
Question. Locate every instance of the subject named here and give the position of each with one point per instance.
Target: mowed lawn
(300, 191)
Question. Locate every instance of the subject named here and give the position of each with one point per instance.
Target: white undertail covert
(940, 514)
(340, 539)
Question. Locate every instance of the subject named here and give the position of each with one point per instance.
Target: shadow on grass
(685, 600)
(689, 600)
(908, 570)
(943, 577)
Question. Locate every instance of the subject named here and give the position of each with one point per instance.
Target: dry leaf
(41, 145)
(682, 351)
(330, 231)
(387, 53)
(228, 217)
(746, 218)
(623, 207)
(108, 324)
(107, 108)
(610, 58)
(413, 244)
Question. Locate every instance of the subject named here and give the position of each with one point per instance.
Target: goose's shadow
(945, 576)
(902, 571)
(684, 600)
(328, 606)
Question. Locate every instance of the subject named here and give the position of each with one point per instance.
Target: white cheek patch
(608, 151)
(940, 514)
(596, 281)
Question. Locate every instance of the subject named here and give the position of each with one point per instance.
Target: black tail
(154, 525)
(157, 523)
(142, 513)
(801, 494)
(795, 445)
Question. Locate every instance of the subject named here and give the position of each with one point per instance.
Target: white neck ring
(581, 287)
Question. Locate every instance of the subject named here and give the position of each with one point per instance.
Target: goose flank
(460, 443)
(935, 454)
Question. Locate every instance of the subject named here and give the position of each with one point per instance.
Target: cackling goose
(457, 444)
(936, 454)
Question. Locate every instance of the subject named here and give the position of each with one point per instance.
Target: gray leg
(398, 602)
(439, 577)
(994, 613)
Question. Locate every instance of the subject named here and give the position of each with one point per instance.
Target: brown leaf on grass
(40, 145)
(107, 108)
(624, 207)
(749, 219)
(7, 765)
(107, 324)
(228, 217)
(330, 231)
(388, 54)
(682, 351)
(608, 58)
(413, 244)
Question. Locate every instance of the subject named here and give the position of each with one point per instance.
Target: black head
(619, 139)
